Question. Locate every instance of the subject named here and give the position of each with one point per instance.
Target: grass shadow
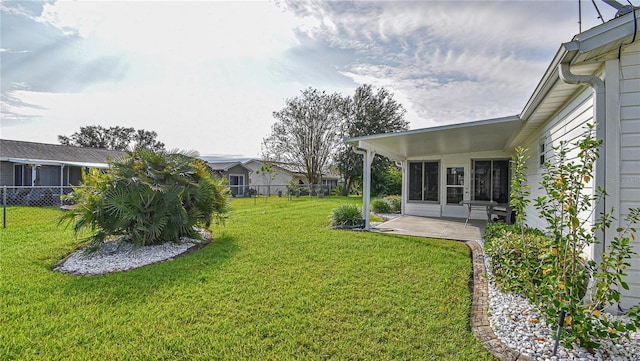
(136, 285)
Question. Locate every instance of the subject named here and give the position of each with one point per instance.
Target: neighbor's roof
(54, 154)
(225, 166)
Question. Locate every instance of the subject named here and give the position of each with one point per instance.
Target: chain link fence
(50, 196)
(34, 196)
(288, 190)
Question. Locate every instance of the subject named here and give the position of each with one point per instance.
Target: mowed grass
(275, 284)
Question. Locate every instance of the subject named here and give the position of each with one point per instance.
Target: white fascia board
(611, 31)
(56, 163)
(363, 144)
(87, 164)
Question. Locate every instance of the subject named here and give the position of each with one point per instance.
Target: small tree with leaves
(268, 174)
(559, 278)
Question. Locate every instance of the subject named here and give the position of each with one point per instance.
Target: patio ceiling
(478, 136)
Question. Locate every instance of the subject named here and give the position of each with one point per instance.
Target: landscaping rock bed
(518, 325)
(117, 256)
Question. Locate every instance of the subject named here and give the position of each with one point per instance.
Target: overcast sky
(207, 76)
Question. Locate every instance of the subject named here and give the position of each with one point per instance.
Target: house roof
(54, 154)
(585, 53)
(293, 169)
(225, 166)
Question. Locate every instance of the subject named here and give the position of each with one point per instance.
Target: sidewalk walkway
(443, 228)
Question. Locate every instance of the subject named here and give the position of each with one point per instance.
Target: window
(541, 151)
(491, 180)
(455, 184)
(236, 184)
(423, 181)
(22, 175)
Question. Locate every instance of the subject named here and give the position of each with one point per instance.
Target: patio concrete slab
(443, 228)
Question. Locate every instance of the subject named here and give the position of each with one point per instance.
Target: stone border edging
(479, 306)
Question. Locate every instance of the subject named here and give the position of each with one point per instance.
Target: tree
(147, 139)
(150, 197)
(116, 138)
(367, 113)
(307, 132)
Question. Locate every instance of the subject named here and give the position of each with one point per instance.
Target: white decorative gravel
(117, 256)
(518, 325)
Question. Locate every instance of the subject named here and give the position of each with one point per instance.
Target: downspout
(599, 111)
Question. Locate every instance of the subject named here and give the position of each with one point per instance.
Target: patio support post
(61, 183)
(366, 187)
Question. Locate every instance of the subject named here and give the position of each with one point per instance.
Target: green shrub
(346, 215)
(395, 202)
(380, 206)
(514, 254)
(388, 204)
(148, 198)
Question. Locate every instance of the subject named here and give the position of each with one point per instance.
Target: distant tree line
(116, 138)
(309, 131)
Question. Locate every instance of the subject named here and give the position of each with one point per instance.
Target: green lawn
(275, 284)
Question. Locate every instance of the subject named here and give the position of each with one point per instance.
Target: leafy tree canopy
(369, 112)
(116, 138)
(307, 132)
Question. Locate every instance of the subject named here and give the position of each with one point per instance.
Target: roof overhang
(55, 163)
(586, 53)
(471, 137)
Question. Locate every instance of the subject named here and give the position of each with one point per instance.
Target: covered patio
(442, 228)
(445, 167)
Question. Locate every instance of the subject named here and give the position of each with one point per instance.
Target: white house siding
(630, 156)
(623, 123)
(422, 209)
(567, 126)
(259, 181)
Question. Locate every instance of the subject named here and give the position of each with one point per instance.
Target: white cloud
(208, 75)
(179, 32)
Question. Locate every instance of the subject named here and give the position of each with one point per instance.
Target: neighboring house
(29, 164)
(285, 176)
(235, 173)
(260, 181)
(443, 165)
(38, 164)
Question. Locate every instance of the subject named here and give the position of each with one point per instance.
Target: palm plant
(150, 197)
